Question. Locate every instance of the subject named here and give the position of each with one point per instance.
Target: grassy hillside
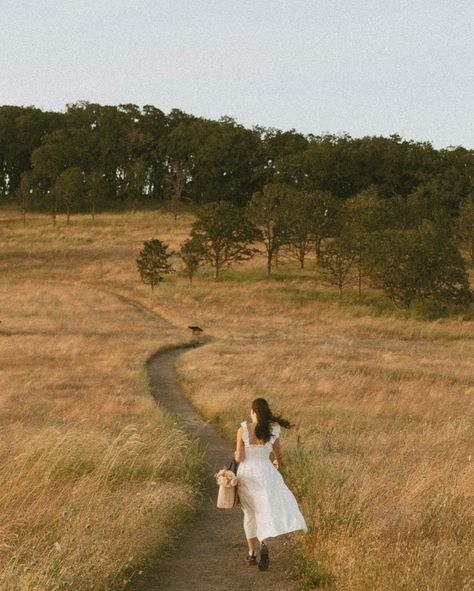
(381, 459)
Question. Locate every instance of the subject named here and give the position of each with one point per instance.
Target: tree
(326, 211)
(21, 131)
(335, 263)
(438, 199)
(225, 233)
(466, 226)
(24, 194)
(96, 190)
(193, 254)
(298, 225)
(175, 182)
(136, 174)
(420, 263)
(69, 189)
(265, 211)
(363, 215)
(153, 262)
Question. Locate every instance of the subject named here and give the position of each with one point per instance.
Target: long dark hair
(264, 417)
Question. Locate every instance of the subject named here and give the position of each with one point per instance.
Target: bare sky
(364, 67)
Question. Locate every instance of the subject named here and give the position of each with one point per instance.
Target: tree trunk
(269, 263)
(317, 248)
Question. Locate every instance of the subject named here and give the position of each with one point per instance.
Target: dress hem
(275, 535)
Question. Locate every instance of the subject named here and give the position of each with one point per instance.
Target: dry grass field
(381, 458)
(94, 478)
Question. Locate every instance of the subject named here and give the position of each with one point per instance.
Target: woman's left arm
(277, 453)
(239, 447)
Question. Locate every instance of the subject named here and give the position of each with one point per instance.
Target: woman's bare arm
(239, 447)
(277, 453)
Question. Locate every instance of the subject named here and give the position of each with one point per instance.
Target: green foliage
(153, 262)
(297, 216)
(96, 190)
(326, 217)
(438, 198)
(267, 211)
(225, 234)
(135, 148)
(336, 262)
(69, 190)
(422, 263)
(193, 254)
(175, 183)
(466, 226)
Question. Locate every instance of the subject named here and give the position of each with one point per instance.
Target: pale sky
(364, 67)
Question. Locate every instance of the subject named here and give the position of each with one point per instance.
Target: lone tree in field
(153, 262)
(335, 263)
(193, 254)
(265, 211)
(225, 234)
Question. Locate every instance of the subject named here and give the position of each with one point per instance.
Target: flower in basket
(226, 478)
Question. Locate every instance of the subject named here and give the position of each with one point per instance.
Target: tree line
(385, 243)
(93, 157)
(392, 212)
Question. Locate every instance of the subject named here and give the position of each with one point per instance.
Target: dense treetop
(131, 153)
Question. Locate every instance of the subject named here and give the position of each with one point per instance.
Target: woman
(269, 507)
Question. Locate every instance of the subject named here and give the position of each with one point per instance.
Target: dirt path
(209, 555)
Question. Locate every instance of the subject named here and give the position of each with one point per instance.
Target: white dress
(270, 508)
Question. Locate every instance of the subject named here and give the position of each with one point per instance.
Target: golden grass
(384, 464)
(94, 478)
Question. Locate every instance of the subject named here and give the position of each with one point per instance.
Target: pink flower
(226, 478)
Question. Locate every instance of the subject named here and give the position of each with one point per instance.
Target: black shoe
(264, 558)
(251, 559)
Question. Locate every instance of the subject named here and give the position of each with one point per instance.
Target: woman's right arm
(239, 447)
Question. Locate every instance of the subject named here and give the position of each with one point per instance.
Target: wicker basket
(227, 497)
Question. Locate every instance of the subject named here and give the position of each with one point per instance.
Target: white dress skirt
(270, 508)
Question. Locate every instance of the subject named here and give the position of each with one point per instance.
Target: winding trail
(210, 554)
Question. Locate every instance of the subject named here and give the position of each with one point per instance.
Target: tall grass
(95, 479)
(381, 459)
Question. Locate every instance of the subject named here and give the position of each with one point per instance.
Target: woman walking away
(269, 507)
